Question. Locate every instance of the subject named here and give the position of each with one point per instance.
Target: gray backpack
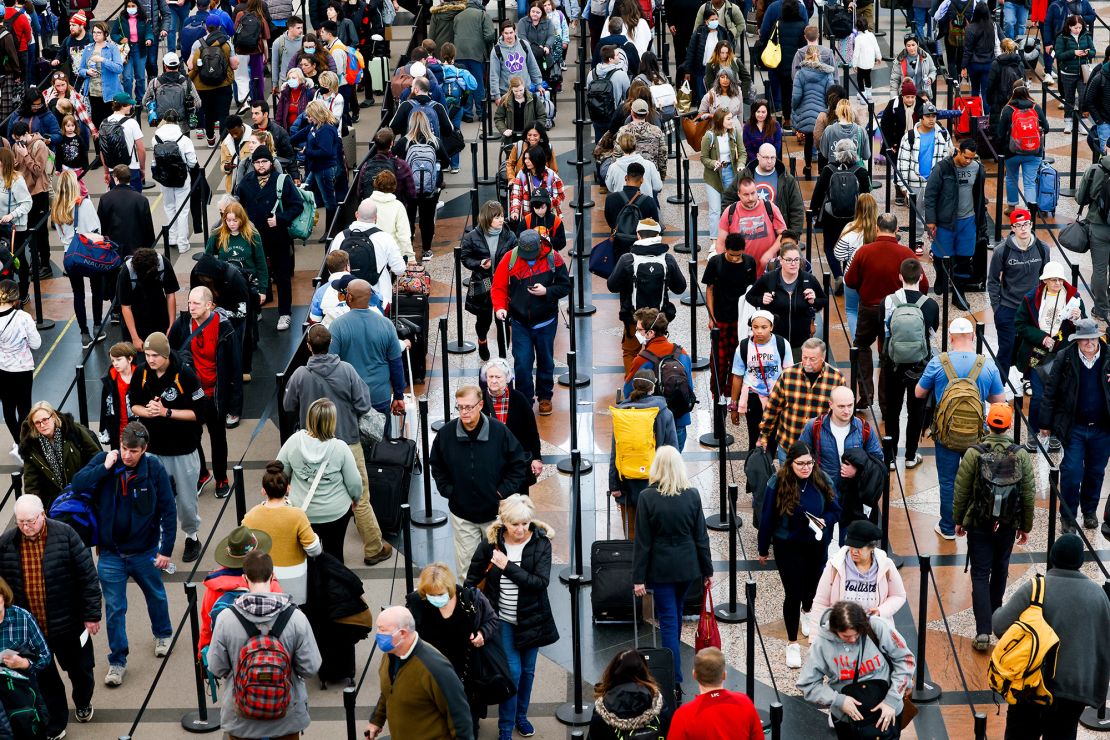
(909, 337)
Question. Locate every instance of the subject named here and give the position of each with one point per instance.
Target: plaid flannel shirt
(521, 193)
(794, 401)
(34, 584)
(20, 633)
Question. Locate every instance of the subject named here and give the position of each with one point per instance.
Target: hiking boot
(982, 643)
(1090, 521)
(192, 550)
(115, 675)
(161, 647)
(384, 554)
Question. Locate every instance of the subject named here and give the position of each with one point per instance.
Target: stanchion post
(17, 483)
(575, 713)
(406, 545)
(41, 323)
(696, 362)
(285, 420)
(733, 612)
(474, 190)
(460, 345)
(577, 567)
(890, 452)
(240, 493)
(853, 367)
(776, 721)
(680, 193)
(429, 517)
(711, 439)
(826, 315)
(349, 712)
(887, 154)
(488, 132)
(809, 237)
(923, 692)
(197, 722)
(1053, 504)
(946, 299)
(581, 274)
(998, 195)
(719, 522)
(981, 336)
(567, 464)
(749, 639)
(980, 726)
(1076, 120)
(82, 396)
(444, 376)
(1018, 403)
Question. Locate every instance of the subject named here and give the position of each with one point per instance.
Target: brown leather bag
(695, 131)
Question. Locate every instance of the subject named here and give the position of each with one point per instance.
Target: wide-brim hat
(239, 543)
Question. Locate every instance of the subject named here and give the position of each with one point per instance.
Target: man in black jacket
(261, 121)
(53, 577)
(615, 202)
(125, 216)
(476, 461)
(956, 217)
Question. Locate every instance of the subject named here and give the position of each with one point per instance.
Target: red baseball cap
(1020, 214)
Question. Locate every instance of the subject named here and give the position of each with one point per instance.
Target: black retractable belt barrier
(406, 545)
(720, 522)
(488, 134)
(697, 362)
(1053, 503)
(923, 692)
(577, 567)
(693, 293)
(82, 396)
(429, 517)
(484, 136)
(240, 493)
(166, 241)
(734, 612)
(445, 376)
(575, 713)
(460, 346)
(197, 721)
(711, 439)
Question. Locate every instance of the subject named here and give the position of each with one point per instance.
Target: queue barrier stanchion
(474, 190)
(689, 214)
(1019, 401)
(889, 178)
(721, 521)
(429, 517)
(981, 336)
(568, 465)
(853, 370)
(240, 493)
(166, 241)
(776, 721)
(502, 339)
(460, 346)
(17, 483)
(734, 612)
(980, 726)
(349, 695)
(406, 545)
(445, 377)
(485, 179)
(285, 421)
(577, 567)
(923, 692)
(575, 713)
(1076, 120)
(579, 380)
(82, 395)
(946, 299)
(197, 722)
(826, 315)
(42, 324)
(889, 453)
(1053, 505)
(680, 196)
(697, 362)
(809, 237)
(488, 133)
(581, 273)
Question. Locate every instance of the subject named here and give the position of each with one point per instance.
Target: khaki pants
(365, 521)
(468, 536)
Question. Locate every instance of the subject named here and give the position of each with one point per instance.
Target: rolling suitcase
(611, 565)
(661, 663)
(413, 309)
(389, 472)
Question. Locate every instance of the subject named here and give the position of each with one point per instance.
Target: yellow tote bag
(772, 53)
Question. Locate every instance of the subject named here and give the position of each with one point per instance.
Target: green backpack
(304, 224)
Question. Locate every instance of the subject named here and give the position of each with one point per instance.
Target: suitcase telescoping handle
(636, 622)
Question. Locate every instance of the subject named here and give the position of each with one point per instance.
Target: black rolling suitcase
(410, 313)
(389, 472)
(661, 663)
(611, 567)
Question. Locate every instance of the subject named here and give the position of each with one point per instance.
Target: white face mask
(132, 11)
(294, 84)
(641, 337)
(713, 25)
(310, 50)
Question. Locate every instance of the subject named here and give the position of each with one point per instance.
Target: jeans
(1007, 334)
(921, 25)
(948, 462)
(278, 246)
(681, 433)
(668, 599)
(178, 15)
(478, 69)
(535, 347)
(456, 121)
(1014, 19)
(851, 308)
(989, 554)
(522, 666)
(1028, 164)
(713, 200)
(978, 73)
(1103, 131)
(134, 72)
(323, 181)
(114, 569)
(1085, 456)
(958, 242)
(1035, 403)
(1100, 273)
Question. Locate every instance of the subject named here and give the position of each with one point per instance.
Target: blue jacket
(151, 510)
(808, 95)
(1061, 9)
(44, 124)
(110, 70)
(796, 524)
(321, 149)
(827, 449)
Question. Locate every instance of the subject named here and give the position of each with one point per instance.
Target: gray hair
(367, 211)
(497, 362)
(732, 84)
(845, 152)
(814, 343)
(29, 503)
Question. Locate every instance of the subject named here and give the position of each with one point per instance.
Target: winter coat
(826, 448)
(863, 489)
(711, 152)
(393, 219)
(624, 708)
(1029, 332)
(228, 639)
(473, 605)
(474, 475)
(832, 664)
(739, 71)
(535, 624)
(213, 39)
(340, 485)
(793, 313)
(327, 376)
(1096, 100)
(536, 35)
(830, 589)
(788, 196)
(923, 74)
(796, 523)
(442, 25)
(1061, 392)
(229, 287)
(1096, 177)
(534, 112)
(229, 375)
(1064, 51)
(671, 545)
(1005, 119)
(150, 508)
(623, 278)
(967, 488)
(695, 52)
(220, 581)
(79, 445)
(510, 287)
(979, 43)
(475, 250)
(1005, 66)
(474, 33)
(942, 195)
(72, 585)
(121, 29)
(807, 99)
(110, 405)
(909, 154)
(1008, 283)
(521, 421)
(730, 15)
(665, 434)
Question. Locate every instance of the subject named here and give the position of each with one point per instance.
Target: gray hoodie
(1014, 271)
(228, 638)
(619, 81)
(838, 131)
(340, 484)
(506, 62)
(327, 376)
(832, 664)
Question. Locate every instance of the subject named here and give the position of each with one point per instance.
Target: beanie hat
(158, 344)
(908, 88)
(79, 18)
(1067, 552)
(262, 153)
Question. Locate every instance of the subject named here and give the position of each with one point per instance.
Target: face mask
(132, 11)
(310, 50)
(384, 642)
(294, 84)
(439, 601)
(641, 337)
(713, 25)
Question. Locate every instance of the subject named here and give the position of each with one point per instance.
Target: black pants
(800, 563)
(483, 320)
(752, 417)
(217, 436)
(1060, 721)
(869, 330)
(77, 284)
(831, 229)
(216, 104)
(786, 88)
(954, 56)
(1069, 85)
(897, 386)
(38, 229)
(808, 149)
(863, 79)
(989, 553)
(332, 534)
(15, 396)
(78, 663)
(278, 246)
(424, 209)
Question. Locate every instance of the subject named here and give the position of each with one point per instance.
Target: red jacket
(216, 584)
(510, 287)
(717, 715)
(874, 270)
(21, 27)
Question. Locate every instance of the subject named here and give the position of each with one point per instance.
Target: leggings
(332, 534)
(15, 396)
(483, 321)
(425, 209)
(863, 79)
(808, 148)
(77, 284)
(800, 563)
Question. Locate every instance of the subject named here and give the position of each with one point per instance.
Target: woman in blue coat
(133, 27)
(322, 154)
(99, 71)
(808, 97)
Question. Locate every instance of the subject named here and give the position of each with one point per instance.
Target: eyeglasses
(804, 463)
(32, 520)
(1023, 225)
(466, 409)
(791, 260)
(42, 422)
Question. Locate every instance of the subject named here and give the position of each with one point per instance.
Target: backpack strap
(780, 342)
(980, 360)
(279, 187)
(946, 365)
(1036, 595)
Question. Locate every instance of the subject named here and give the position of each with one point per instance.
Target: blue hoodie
(135, 519)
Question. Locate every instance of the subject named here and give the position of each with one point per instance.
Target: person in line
(720, 156)
(474, 37)
(862, 229)
(835, 209)
(71, 214)
(918, 151)
(133, 490)
(18, 336)
(215, 90)
(955, 215)
(800, 394)
(131, 137)
(32, 154)
(136, 31)
(862, 572)
(52, 576)
(980, 41)
(510, 57)
(648, 179)
(773, 183)
(425, 152)
(1094, 179)
(126, 218)
(913, 63)
(671, 549)
(392, 218)
(727, 277)
(716, 713)
(26, 652)
(830, 434)
(98, 72)
(626, 699)
(794, 296)
(759, 221)
(650, 141)
(517, 111)
(175, 199)
(757, 364)
(54, 448)
(371, 247)
(511, 408)
(1025, 151)
(147, 292)
(15, 206)
(482, 250)
(650, 328)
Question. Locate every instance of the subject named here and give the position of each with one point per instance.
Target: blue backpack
(455, 90)
(76, 509)
(429, 109)
(1048, 188)
(193, 30)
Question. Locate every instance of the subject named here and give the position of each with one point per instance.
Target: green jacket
(1096, 177)
(79, 445)
(711, 152)
(246, 256)
(474, 33)
(442, 26)
(1065, 48)
(967, 478)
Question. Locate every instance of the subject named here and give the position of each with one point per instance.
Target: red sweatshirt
(718, 715)
(20, 27)
(874, 270)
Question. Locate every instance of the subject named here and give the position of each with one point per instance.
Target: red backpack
(263, 686)
(1025, 131)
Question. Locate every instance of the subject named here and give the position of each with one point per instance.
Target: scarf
(1052, 313)
(261, 605)
(52, 451)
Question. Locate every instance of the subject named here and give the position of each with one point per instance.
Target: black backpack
(24, 705)
(650, 731)
(671, 381)
(248, 33)
(998, 486)
(843, 193)
(169, 167)
(838, 21)
(373, 167)
(113, 143)
(359, 247)
(599, 97)
(628, 220)
(1101, 199)
(213, 61)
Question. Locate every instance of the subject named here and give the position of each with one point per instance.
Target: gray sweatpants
(184, 470)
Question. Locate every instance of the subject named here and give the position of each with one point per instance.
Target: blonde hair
(329, 80)
(9, 289)
(668, 472)
(49, 409)
(844, 111)
(64, 106)
(866, 217)
(420, 129)
(64, 210)
(516, 509)
(319, 113)
(265, 138)
(436, 578)
(1008, 46)
(320, 419)
(295, 72)
(246, 230)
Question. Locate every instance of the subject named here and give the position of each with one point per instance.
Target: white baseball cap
(961, 326)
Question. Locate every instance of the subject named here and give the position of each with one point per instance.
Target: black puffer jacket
(1096, 100)
(1061, 393)
(79, 445)
(535, 625)
(793, 313)
(864, 488)
(624, 708)
(475, 249)
(72, 586)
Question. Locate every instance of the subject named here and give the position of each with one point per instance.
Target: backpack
(361, 254)
(838, 20)
(304, 224)
(356, 66)
(649, 281)
(671, 381)
(909, 337)
(248, 32)
(171, 95)
(24, 705)
(75, 508)
(455, 93)
(956, 25)
(843, 193)
(997, 494)
(1025, 131)
(134, 276)
(819, 423)
(113, 143)
(213, 62)
(193, 31)
(400, 81)
(1048, 188)
(169, 167)
(424, 163)
(373, 167)
(225, 602)
(1025, 656)
(634, 440)
(429, 110)
(600, 99)
(628, 220)
(263, 687)
(959, 417)
(746, 343)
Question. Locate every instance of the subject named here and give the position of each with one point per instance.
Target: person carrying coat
(482, 248)
(54, 448)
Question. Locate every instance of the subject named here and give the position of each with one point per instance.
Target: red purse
(708, 634)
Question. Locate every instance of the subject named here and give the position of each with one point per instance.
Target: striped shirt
(506, 606)
(20, 633)
(794, 401)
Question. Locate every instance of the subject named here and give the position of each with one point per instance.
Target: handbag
(772, 53)
(869, 693)
(695, 131)
(1076, 236)
(415, 281)
(708, 633)
(1085, 72)
(478, 297)
(454, 142)
(684, 100)
(603, 259)
(490, 681)
(89, 255)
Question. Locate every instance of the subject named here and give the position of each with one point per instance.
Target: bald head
(358, 294)
(200, 303)
(367, 211)
(398, 623)
(766, 158)
(842, 404)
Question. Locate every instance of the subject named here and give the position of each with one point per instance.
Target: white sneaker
(115, 675)
(284, 322)
(1049, 79)
(161, 647)
(937, 529)
(793, 655)
(1067, 125)
(805, 623)
(14, 452)
(183, 248)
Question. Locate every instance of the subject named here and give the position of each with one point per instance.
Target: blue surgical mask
(439, 601)
(713, 25)
(310, 50)
(294, 83)
(384, 641)
(132, 11)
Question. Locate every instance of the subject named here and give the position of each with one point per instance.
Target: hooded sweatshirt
(1014, 271)
(507, 61)
(831, 588)
(853, 131)
(625, 708)
(833, 664)
(619, 80)
(327, 376)
(340, 484)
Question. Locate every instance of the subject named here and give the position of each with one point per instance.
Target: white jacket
(909, 151)
(394, 220)
(386, 254)
(867, 54)
(18, 336)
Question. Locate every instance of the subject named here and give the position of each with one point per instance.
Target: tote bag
(772, 53)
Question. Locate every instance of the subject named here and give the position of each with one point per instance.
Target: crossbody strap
(315, 483)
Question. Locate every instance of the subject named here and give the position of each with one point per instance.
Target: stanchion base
(486, 181)
(709, 439)
(191, 721)
(568, 714)
(676, 200)
(1091, 721)
(564, 465)
(680, 248)
(698, 301)
(927, 693)
(588, 309)
(566, 573)
(44, 324)
(438, 424)
(1067, 192)
(717, 522)
(583, 380)
(429, 518)
(731, 614)
(583, 206)
(491, 135)
(699, 363)
(461, 348)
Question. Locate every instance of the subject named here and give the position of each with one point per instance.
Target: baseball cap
(123, 98)
(1019, 215)
(928, 109)
(961, 326)
(640, 107)
(1000, 416)
(171, 59)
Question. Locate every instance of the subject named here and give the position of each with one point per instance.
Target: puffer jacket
(228, 394)
(475, 250)
(1096, 177)
(891, 589)
(72, 586)
(442, 26)
(625, 708)
(1096, 100)
(865, 488)
(695, 52)
(1005, 66)
(220, 581)
(923, 73)
(1065, 48)
(79, 445)
(979, 43)
(860, 436)
(1028, 327)
(909, 151)
(808, 97)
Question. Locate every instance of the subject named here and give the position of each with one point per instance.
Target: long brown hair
(866, 217)
(8, 171)
(788, 487)
(626, 667)
(849, 615)
(770, 124)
